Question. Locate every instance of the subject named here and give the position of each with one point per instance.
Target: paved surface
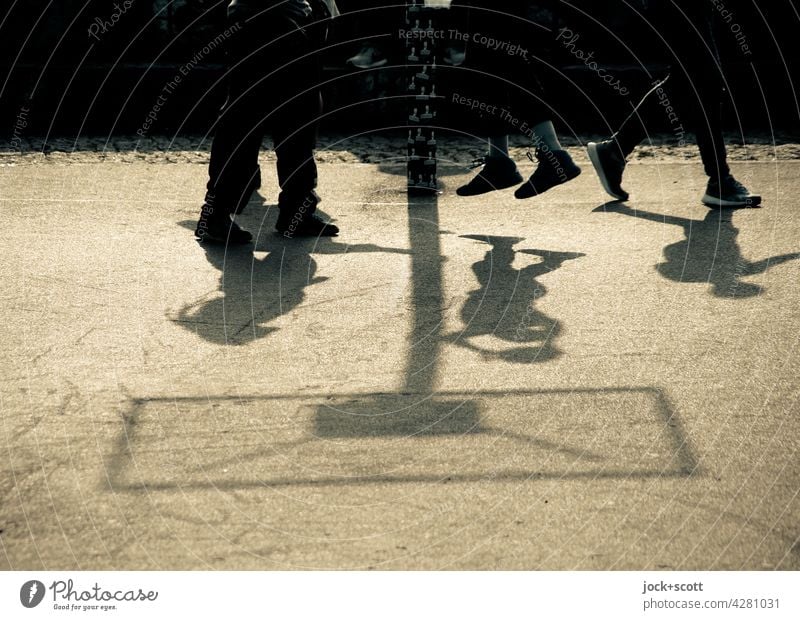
(453, 383)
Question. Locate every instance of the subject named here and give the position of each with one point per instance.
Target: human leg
(514, 100)
(233, 169)
(294, 123)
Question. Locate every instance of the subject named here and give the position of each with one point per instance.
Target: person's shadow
(254, 292)
(504, 307)
(709, 253)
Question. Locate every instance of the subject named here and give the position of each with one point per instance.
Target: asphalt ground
(484, 383)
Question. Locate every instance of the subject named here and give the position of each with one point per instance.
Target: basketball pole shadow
(417, 409)
(123, 463)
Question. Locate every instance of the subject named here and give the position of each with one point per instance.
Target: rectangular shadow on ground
(249, 442)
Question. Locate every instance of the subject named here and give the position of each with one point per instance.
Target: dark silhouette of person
(254, 292)
(709, 253)
(501, 89)
(504, 306)
(274, 53)
(371, 24)
(689, 98)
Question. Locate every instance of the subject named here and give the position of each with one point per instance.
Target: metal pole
(423, 57)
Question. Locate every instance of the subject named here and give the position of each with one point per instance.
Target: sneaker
(609, 164)
(729, 193)
(454, 57)
(498, 173)
(554, 168)
(296, 224)
(212, 228)
(368, 58)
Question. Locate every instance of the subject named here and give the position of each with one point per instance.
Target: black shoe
(454, 57)
(368, 57)
(555, 168)
(609, 164)
(296, 224)
(498, 173)
(213, 228)
(729, 193)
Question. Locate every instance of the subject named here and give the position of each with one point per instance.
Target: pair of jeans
(504, 55)
(274, 71)
(683, 38)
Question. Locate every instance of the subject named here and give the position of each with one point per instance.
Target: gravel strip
(365, 149)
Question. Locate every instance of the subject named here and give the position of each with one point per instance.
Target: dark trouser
(504, 77)
(376, 20)
(691, 98)
(273, 84)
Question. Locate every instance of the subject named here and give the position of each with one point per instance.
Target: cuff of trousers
(322, 9)
(297, 203)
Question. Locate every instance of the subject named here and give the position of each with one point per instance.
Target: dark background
(67, 83)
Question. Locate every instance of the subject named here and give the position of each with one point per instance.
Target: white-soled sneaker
(729, 193)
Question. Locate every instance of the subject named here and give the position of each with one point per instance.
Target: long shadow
(253, 292)
(415, 408)
(124, 475)
(504, 307)
(709, 252)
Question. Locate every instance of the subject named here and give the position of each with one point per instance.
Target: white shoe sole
(374, 65)
(713, 201)
(594, 156)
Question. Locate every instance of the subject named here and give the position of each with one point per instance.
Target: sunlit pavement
(452, 383)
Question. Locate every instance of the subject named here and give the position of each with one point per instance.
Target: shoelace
(741, 189)
(731, 184)
(531, 156)
(477, 163)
